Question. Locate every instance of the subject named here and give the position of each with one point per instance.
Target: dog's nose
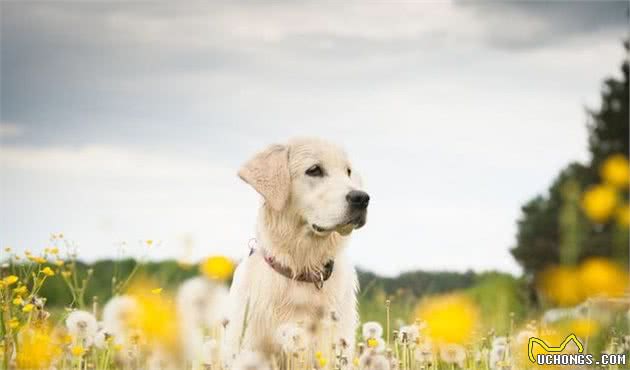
(358, 199)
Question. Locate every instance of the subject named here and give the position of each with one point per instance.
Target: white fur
(288, 235)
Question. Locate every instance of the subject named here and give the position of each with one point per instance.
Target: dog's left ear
(268, 173)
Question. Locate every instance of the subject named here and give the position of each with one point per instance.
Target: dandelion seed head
(372, 329)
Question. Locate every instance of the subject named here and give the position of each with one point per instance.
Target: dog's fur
(294, 203)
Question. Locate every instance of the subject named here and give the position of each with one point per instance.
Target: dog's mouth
(344, 228)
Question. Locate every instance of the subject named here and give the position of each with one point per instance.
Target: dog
(298, 275)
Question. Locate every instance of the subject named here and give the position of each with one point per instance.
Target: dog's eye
(349, 172)
(315, 171)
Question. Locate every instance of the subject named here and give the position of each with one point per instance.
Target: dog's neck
(290, 241)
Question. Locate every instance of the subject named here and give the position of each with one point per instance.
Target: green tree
(548, 221)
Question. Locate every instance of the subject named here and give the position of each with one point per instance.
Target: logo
(548, 348)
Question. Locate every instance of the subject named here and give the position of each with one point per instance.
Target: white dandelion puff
(82, 326)
(424, 352)
(410, 333)
(250, 361)
(117, 314)
(453, 354)
(291, 338)
(209, 351)
(373, 361)
(372, 329)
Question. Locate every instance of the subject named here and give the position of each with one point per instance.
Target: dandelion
(599, 202)
(291, 338)
(102, 338)
(54, 250)
(11, 279)
(453, 354)
(250, 361)
(616, 171)
(21, 290)
(373, 361)
(77, 351)
(560, 284)
(37, 349)
(39, 260)
(623, 215)
(450, 318)
(372, 329)
(48, 271)
(59, 263)
(117, 314)
(28, 307)
(410, 333)
(82, 326)
(424, 352)
(601, 277)
(209, 351)
(18, 301)
(14, 323)
(217, 268)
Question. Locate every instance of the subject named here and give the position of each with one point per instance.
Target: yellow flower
(54, 250)
(322, 361)
(355, 362)
(623, 215)
(372, 342)
(18, 301)
(11, 279)
(601, 277)
(21, 290)
(218, 268)
(37, 350)
(561, 285)
(599, 202)
(59, 263)
(28, 307)
(14, 323)
(149, 242)
(66, 273)
(39, 260)
(584, 328)
(155, 316)
(616, 171)
(156, 291)
(450, 318)
(48, 271)
(77, 351)
(318, 354)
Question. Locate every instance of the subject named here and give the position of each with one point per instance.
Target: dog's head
(313, 179)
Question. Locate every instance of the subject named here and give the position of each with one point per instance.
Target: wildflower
(376, 344)
(59, 263)
(450, 318)
(82, 326)
(14, 323)
(77, 351)
(155, 317)
(11, 279)
(117, 314)
(424, 351)
(599, 202)
(54, 250)
(453, 354)
(623, 215)
(373, 361)
(37, 349)
(66, 273)
(217, 268)
(21, 290)
(48, 271)
(18, 301)
(560, 284)
(39, 260)
(156, 291)
(584, 328)
(410, 333)
(372, 329)
(291, 337)
(616, 171)
(250, 361)
(601, 277)
(28, 307)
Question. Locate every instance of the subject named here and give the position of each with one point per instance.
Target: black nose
(358, 199)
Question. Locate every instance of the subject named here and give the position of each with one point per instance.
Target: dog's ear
(268, 173)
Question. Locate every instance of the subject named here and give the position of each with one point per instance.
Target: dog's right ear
(268, 173)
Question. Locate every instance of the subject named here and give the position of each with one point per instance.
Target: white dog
(298, 273)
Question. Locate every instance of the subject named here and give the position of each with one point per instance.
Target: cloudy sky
(128, 121)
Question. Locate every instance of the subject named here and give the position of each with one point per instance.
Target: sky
(122, 122)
